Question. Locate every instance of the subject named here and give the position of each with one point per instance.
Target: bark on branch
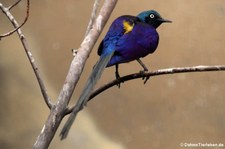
(58, 111)
(148, 75)
(6, 10)
(26, 47)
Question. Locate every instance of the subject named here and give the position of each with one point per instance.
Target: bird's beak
(165, 20)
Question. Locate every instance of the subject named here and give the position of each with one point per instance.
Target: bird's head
(152, 17)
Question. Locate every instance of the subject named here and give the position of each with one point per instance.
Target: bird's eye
(152, 16)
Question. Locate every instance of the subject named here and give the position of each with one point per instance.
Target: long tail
(82, 101)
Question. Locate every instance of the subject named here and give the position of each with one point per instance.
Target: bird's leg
(143, 71)
(143, 65)
(117, 71)
(117, 74)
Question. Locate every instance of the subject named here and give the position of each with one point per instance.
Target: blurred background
(163, 113)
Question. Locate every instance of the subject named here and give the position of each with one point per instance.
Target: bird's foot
(145, 78)
(117, 78)
(117, 75)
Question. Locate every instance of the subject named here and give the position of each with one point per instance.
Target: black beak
(164, 20)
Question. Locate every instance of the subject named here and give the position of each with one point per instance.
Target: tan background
(165, 112)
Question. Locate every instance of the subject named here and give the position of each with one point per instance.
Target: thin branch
(13, 5)
(29, 54)
(151, 74)
(58, 111)
(25, 20)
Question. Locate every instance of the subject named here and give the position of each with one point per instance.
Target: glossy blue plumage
(142, 40)
(129, 38)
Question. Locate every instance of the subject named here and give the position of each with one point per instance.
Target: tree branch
(5, 10)
(27, 49)
(58, 111)
(90, 24)
(13, 5)
(151, 74)
(93, 16)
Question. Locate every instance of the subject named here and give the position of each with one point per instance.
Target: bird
(129, 38)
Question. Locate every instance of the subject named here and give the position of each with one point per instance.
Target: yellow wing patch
(127, 26)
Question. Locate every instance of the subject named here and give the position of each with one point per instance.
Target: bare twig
(75, 70)
(13, 5)
(7, 10)
(27, 50)
(151, 74)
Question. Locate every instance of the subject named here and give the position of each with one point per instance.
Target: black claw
(118, 85)
(117, 78)
(145, 78)
(142, 72)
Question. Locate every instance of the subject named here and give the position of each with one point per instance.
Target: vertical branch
(93, 16)
(58, 111)
(27, 49)
(91, 21)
